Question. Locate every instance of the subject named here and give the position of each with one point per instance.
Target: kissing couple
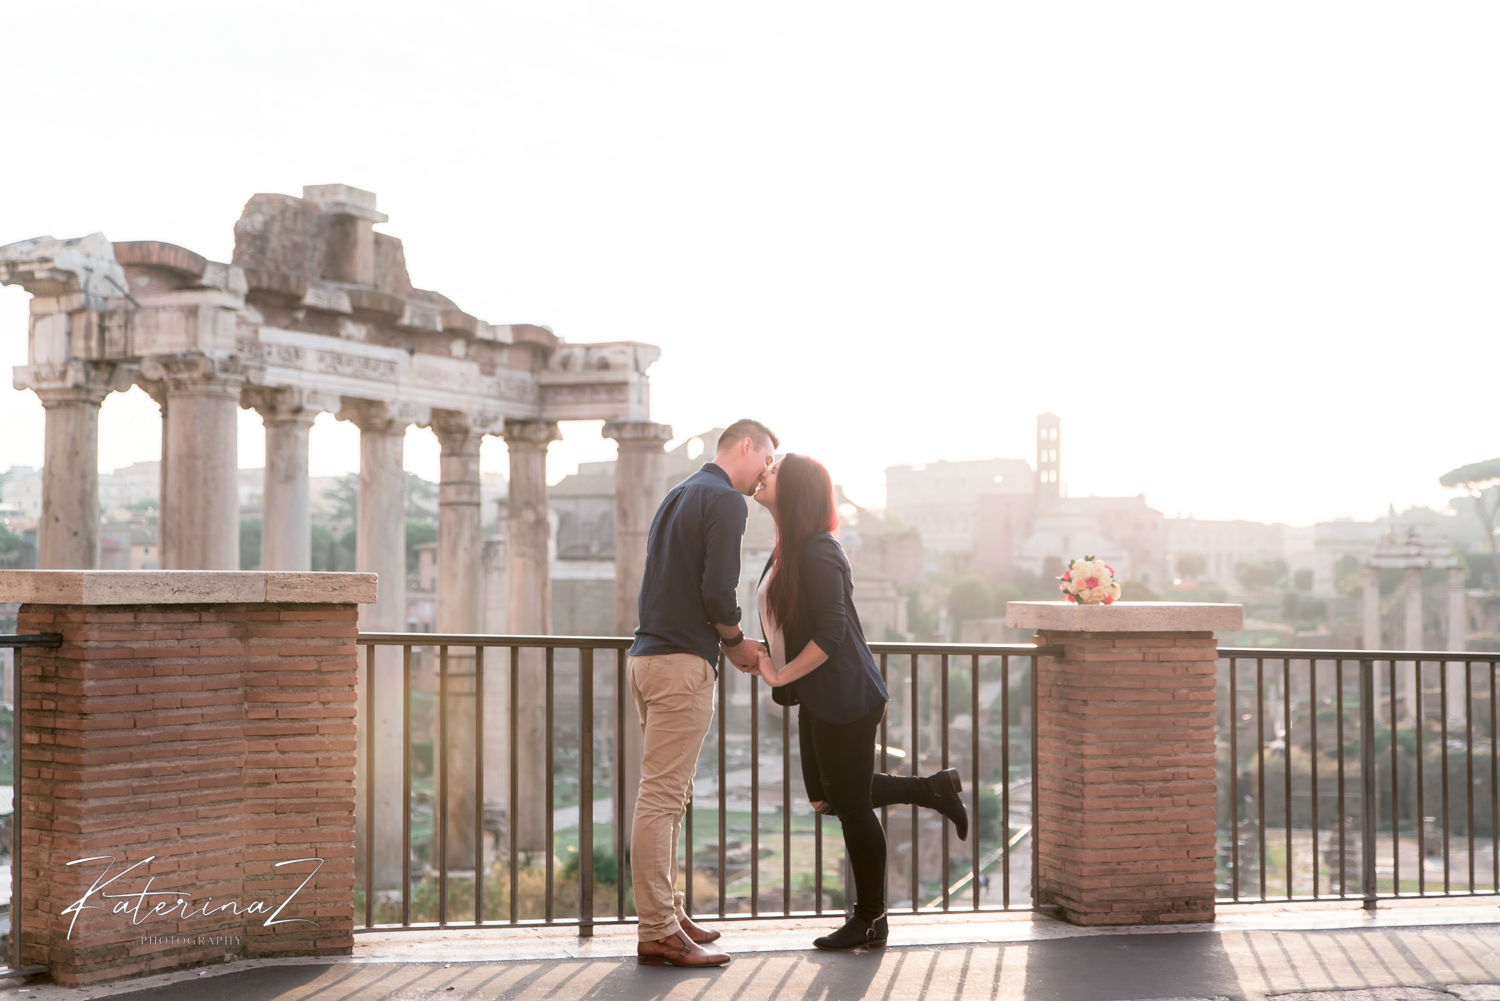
(812, 653)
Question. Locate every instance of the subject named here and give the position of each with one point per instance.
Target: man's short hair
(754, 430)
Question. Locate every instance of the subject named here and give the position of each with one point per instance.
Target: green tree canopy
(968, 598)
(1474, 472)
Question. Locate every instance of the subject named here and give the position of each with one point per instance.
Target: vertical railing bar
(687, 851)
(369, 784)
(1469, 765)
(974, 775)
(18, 825)
(1286, 761)
(586, 793)
(1369, 808)
(1443, 722)
(1395, 788)
(754, 795)
(440, 809)
(1312, 729)
(1260, 766)
(1338, 680)
(914, 727)
(619, 778)
(1005, 781)
(1494, 791)
(1234, 778)
(885, 811)
(1421, 716)
(549, 848)
(478, 784)
(943, 716)
(406, 784)
(817, 863)
(786, 810)
(723, 774)
(513, 794)
(1036, 793)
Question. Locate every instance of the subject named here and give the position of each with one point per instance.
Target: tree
(968, 599)
(250, 544)
(1481, 480)
(1260, 576)
(421, 498)
(1191, 565)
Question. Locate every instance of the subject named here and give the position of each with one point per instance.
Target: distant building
(22, 487)
(942, 501)
(1223, 545)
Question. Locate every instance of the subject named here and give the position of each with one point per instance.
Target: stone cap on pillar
(183, 587)
(1125, 617)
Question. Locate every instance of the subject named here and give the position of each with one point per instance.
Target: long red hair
(804, 508)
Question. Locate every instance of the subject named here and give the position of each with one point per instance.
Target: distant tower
(1048, 458)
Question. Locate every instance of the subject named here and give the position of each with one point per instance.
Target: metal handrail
(18, 643)
(1372, 696)
(472, 649)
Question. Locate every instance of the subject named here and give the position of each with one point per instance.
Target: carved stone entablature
(315, 304)
(46, 267)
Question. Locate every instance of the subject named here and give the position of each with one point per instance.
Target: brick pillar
(201, 727)
(1125, 830)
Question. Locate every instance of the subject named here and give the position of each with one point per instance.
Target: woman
(818, 659)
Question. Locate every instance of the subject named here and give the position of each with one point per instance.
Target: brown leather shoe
(702, 936)
(677, 950)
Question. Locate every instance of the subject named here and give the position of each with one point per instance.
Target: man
(689, 611)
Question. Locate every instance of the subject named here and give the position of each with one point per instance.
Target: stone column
(638, 491)
(158, 392)
(460, 609)
(529, 583)
(1126, 758)
(203, 395)
(69, 535)
(286, 527)
(380, 548)
(1371, 608)
(1413, 608)
(1458, 610)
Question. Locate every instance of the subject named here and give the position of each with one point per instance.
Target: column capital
(191, 372)
(638, 434)
(74, 381)
(376, 416)
(286, 404)
(536, 434)
(455, 429)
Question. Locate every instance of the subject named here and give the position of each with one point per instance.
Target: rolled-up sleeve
(823, 579)
(723, 529)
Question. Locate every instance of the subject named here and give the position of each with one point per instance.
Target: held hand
(766, 669)
(743, 654)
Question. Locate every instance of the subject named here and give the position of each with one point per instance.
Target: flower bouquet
(1090, 582)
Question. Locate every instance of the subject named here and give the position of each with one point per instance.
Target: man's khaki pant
(674, 695)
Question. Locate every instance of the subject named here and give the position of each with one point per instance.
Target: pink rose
(1091, 582)
(1071, 598)
(1067, 575)
(1108, 600)
(1109, 568)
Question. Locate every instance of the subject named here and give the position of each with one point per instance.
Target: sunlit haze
(1246, 252)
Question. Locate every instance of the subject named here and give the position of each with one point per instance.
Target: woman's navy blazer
(847, 686)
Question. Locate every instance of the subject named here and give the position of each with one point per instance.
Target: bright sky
(1247, 252)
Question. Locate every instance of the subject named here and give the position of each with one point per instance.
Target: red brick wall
(1126, 769)
(218, 739)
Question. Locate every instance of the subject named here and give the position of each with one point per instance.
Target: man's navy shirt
(692, 567)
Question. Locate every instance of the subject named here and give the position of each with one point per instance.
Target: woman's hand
(767, 670)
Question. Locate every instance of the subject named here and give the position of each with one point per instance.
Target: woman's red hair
(804, 508)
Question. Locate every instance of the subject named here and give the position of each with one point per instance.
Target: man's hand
(744, 654)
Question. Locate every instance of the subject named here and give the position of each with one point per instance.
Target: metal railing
(14, 644)
(474, 852)
(1330, 759)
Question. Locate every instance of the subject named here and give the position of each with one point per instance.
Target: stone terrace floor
(1441, 951)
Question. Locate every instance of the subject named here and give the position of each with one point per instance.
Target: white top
(775, 641)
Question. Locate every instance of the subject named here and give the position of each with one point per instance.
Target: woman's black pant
(838, 768)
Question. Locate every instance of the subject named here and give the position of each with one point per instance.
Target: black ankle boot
(857, 933)
(944, 788)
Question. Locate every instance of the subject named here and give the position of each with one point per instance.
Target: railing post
(586, 794)
(1369, 809)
